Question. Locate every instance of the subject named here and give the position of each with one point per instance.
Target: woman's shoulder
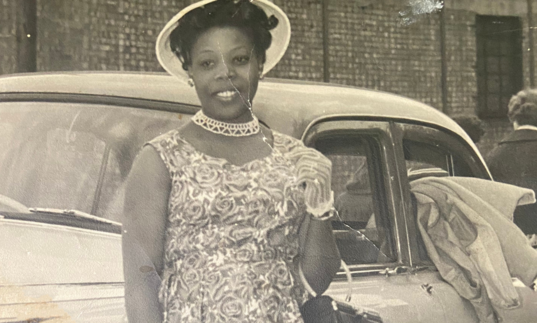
(286, 142)
(166, 139)
(289, 144)
(172, 148)
(171, 142)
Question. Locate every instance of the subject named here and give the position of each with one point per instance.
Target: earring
(190, 82)
(261, 74)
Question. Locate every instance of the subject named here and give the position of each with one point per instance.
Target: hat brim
(281, 36)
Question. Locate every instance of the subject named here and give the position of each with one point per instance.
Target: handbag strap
(313, 293)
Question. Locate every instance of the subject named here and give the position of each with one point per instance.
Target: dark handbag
(324, 309)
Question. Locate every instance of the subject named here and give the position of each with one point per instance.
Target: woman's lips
(227, 95)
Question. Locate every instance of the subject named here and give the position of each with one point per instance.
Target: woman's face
(225, 71)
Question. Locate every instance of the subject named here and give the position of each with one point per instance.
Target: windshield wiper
(72, 213)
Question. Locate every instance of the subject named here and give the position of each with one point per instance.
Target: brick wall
(62, 42)
(101, 34)
(490, 7)
(526, 52)
(8, 41)
(304, 57)
(461, 56)
(370, 47)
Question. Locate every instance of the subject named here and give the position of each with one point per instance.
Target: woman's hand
(315, 170)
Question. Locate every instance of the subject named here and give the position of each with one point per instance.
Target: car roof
(287, 106)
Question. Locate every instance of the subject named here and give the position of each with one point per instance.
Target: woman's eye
(206, 64)
(242, 59)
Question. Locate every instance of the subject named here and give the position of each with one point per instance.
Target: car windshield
(71, 155)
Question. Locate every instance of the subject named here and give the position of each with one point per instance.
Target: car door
(371, 231)
(419, 145)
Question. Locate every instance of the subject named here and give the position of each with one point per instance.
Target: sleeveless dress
(231, 240)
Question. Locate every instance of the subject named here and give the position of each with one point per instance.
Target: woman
(221, 214)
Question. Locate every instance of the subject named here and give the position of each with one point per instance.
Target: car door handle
(401, 269)
(394, 271)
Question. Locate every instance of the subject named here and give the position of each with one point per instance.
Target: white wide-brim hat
(280, 38)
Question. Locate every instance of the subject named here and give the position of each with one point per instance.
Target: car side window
(419, 155)
(362, 228)
(426, 148)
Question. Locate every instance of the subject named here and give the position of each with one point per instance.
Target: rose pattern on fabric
(236, 181)
(194, 212)
(232, 236)
(225, 208)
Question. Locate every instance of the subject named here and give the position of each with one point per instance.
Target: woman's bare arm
(144, 221)
(320, 259)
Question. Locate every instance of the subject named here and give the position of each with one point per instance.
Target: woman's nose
(226, 70)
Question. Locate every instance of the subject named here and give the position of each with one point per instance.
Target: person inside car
(223, 213)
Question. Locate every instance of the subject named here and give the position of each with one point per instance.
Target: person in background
(513, 160)
(473, 126)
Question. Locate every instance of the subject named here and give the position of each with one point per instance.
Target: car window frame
(395, 208)
(445, 140)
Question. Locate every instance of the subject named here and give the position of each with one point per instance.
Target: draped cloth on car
(466, 225)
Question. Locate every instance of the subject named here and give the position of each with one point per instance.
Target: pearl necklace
(225, 128)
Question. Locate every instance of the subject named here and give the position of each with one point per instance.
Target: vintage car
(68, 140)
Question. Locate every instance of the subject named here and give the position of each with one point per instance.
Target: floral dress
(232, 236)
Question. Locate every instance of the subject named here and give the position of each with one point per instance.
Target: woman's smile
(227, 96)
